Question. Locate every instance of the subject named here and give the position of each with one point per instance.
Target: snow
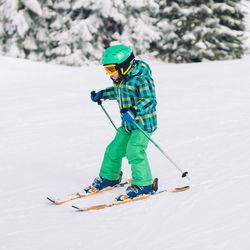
(33, 5)
(53, 139)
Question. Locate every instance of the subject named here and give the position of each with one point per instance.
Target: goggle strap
(127, 61)
(126, 64)
(124, 73)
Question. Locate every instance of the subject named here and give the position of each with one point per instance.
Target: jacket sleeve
(109, 93)
(147, 98)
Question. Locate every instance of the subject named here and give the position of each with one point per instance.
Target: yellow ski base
(111, 205)
(179, 189)
(79, 196)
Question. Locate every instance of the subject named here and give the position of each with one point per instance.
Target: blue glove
(129, 114)
(96, 96)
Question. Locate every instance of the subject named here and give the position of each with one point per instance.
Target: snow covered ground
(52, 140)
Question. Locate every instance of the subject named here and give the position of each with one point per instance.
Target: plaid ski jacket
(136, 89)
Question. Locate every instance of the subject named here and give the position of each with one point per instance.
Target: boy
(134, 90)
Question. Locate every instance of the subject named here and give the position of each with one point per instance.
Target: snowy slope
(53, 139)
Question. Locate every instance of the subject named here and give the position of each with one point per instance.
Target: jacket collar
(130, 73)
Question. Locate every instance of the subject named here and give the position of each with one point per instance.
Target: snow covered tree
(228, 41)
(99, 23)
(197, 30)
(77, 31)
(94, 24)
(139, 29)
(74, 32)
(20, 21)
(55, 38)
(13, 28)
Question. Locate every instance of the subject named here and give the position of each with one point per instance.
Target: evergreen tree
(13, 27)
(21, 21)
(197, 30)
(95, 23)
(74, 32)
(54, 35)
(139, 29)
(100, 23)
(228, 40)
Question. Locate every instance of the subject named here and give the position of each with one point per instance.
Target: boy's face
(112, 71)
(115, 76)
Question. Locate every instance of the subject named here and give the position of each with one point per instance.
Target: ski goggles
(110, 69)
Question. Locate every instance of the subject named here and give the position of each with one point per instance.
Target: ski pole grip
(99, 102)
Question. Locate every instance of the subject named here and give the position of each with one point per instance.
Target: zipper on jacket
(120, 99)
(139, 117)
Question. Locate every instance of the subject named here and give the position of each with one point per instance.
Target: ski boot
(135, 190)
(100, 183)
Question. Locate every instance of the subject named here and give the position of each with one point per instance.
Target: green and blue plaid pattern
(136, 89)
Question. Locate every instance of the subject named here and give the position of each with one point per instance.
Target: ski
(102, 206)
(79, 195)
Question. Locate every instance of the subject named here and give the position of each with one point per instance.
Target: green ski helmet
(121, 57)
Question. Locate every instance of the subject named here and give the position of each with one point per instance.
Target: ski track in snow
(53, 139)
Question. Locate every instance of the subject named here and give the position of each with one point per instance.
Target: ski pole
(184, 174)
(100, 103)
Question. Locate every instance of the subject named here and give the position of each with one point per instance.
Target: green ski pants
(132, 146)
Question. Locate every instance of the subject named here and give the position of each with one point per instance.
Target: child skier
(134, 90)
